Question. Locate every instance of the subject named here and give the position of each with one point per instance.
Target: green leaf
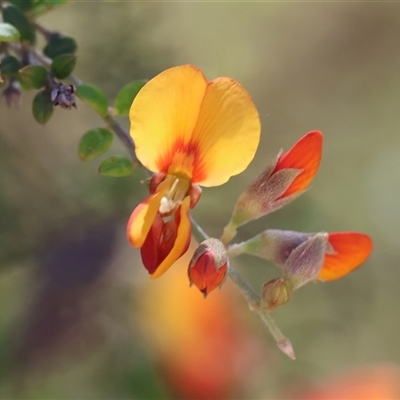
(24, 5)
(116, 166)
(33, 76)
(94, 96)
(10, 66)
(94, 143)
(63, 65)
(37, 7)
(42, 107)
(14, 16)
(59, 44)
(126, 95)
(52, 3)
(8, 33)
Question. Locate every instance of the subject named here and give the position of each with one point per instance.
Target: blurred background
(79, 317)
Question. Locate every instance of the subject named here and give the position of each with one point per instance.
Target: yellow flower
(189, 132)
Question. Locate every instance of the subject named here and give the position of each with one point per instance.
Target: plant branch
(253, 299)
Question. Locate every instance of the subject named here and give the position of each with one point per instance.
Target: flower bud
(273, 245)
(282, 181)
(12, 94)
(63, 95)
(208, 266)
(300, 255)
(276, 293)
(343, 252)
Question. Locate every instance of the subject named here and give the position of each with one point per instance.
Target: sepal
(305, 261)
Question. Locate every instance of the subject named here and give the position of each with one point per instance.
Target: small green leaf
(8, 33)
(94, 96)
(37, 7)
(63, 65)
(59, 44)
(14, 16)
(116, 166)
(24, 5)
(94, 143)
(42, 107)
(33, 76)
(126, 95)
(10, 66)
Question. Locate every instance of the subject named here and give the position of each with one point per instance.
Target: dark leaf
(42, 107)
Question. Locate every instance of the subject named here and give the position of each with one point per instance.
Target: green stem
(236, 249)
(121, 133)
(228, 234)
(124, 137)
(252, 298)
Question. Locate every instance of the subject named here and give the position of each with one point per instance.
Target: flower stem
(124, 137)
(236, 249)
(282, 342)
(228, 234)
(252, 298)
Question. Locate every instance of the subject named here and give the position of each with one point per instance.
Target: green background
(70, 331)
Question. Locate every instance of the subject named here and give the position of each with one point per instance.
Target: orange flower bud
(282, 181)
(299, 254)
(208, 266)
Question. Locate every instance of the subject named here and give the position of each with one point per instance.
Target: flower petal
(164, 113)
(227, 133)
(304, 155)
(182, 240)
(143, 215)
(351, 250)
(149, 251)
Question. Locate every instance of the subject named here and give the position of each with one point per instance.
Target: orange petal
(182, 240)
(227, 133)
(304, 155)
(351, 250)
(142, 218)
(164, 112)
(143, 215)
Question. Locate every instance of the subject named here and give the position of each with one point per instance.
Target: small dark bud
(12, 94)
(63, 95)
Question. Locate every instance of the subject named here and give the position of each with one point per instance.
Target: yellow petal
(164, 113)
(227, 133)
(143, 215)
(182, 240)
